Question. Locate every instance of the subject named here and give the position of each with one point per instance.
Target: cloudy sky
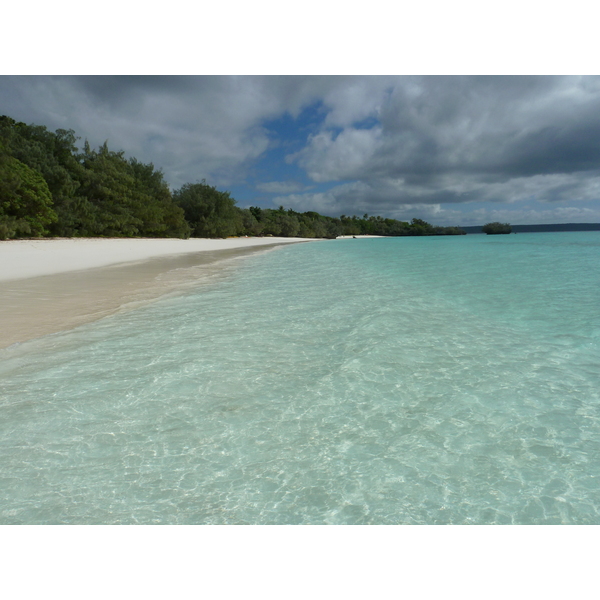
(454, 150)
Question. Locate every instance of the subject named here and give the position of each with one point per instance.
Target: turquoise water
(376, 381)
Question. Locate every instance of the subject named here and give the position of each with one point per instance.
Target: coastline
(52, 285)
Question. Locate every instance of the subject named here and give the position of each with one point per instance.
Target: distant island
(540, 228)
(496, 228)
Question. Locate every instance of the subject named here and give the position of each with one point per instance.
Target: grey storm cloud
(473, 126)
(383, 142)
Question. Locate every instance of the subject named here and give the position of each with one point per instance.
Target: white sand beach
(49, 285)
(22, 259)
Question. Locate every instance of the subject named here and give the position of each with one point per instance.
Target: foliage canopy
(496, 228)
(25, 200)
(48, 187)
(209, 212)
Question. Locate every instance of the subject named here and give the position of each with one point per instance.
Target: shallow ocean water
(430, 380)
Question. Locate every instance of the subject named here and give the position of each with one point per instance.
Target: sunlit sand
(50, 285)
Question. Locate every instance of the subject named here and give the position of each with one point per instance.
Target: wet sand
(35, 306)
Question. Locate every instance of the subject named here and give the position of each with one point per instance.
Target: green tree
(496, 228)
(160, 216)
(108, 186)
(250, 224)
(25, 200)
(209, 212)
(49, 187)
(95, 192)
(53, 155)
(420, 227)
(120, 197)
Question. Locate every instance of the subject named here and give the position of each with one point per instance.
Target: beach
(450, 380)
(49, 285)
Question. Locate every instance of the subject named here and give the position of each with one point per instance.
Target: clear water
(376, 381)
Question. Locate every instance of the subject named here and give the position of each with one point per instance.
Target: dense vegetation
(48, 187)
(539, 228)
(496, 228)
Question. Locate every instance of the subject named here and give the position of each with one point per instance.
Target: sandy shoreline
(22, 259)
(51, 285)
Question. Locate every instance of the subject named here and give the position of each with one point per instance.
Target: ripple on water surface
(386, 381)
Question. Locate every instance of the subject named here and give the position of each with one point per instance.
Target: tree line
(50, 188)
(496, 228)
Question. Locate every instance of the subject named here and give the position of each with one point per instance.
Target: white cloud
(527, 201)
(191, 127)
(332, 158)
(397, 142)
(280, 187)
(355, 99)
(524, 215)
(431, 126)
